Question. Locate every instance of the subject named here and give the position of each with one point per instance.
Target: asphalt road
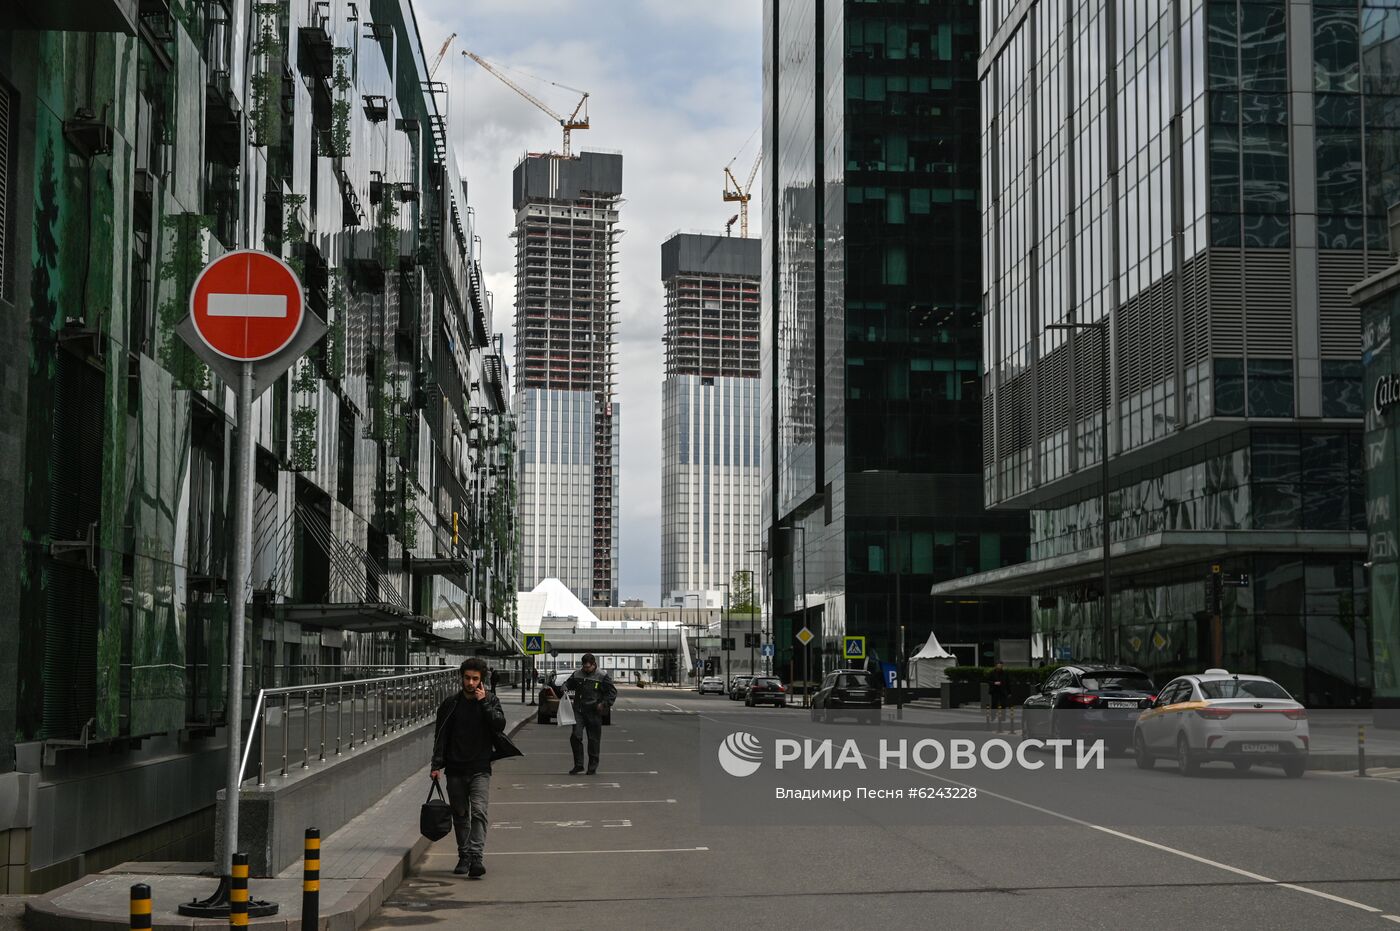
(659, 839)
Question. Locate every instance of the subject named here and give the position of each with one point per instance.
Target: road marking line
(570, 753)
(1394, 918)
(611, 772)
(598, 801)
(1206, 861)
(554, 853)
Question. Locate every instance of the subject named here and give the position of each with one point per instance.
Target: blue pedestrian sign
(766, 650)
(534, 644)
(853, 647)
(1062, 653)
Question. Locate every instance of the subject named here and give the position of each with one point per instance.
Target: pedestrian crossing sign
(853, 647)
(534, 644)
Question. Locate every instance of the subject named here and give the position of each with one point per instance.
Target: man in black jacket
(467, 725)
(593, 692)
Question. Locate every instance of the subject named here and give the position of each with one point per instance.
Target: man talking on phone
(594, 692)
(467, 725)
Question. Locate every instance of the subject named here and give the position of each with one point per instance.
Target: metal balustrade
(364, 710)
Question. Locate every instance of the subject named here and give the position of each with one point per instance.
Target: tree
(741, 593)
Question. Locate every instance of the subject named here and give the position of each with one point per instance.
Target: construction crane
(442, 53)
(733, 191)
(569, 123)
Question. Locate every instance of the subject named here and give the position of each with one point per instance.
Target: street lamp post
(762, 625)
(806, 647)
(1106, 612)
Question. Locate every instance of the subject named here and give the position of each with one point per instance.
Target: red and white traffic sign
(247, 305)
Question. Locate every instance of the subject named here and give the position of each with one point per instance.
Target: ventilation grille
(1338, 319)
(1143, 328)
(1268, 295)
(1226, 303)
(1052, 375)
(1195, 309)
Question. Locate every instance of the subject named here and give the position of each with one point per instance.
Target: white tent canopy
(926, 667)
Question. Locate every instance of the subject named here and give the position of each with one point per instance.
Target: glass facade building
(566, 236)
(133, 151)
(710, 472)
(1197, 182)
(871, 360)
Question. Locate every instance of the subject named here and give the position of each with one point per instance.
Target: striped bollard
(238, 892)
(311, 881)
(1360, 749)
(140, 906)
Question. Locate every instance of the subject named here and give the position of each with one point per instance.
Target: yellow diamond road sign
(534, 644)
(805, 636)
(1159, 641)
(853, 647)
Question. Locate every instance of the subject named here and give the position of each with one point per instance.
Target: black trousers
(593, 727)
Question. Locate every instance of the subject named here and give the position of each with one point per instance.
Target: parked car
(551, 689)
(765, 690)
(846, 689)
(1218, 716)
(738, 687)
(712, 684)
(1089, 702)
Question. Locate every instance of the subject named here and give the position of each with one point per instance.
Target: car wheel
(1186, 764)
(1243, 765)
(1143, 759)
(1294, 769)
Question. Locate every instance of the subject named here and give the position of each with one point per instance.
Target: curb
(354, 910)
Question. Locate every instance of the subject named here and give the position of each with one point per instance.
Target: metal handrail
(426, 690)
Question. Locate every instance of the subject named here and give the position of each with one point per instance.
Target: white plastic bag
(565, 717)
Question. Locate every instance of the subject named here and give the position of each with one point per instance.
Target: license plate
(1259, 748)
(1122, 704)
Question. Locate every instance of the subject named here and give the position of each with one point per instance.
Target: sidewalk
(361, 865)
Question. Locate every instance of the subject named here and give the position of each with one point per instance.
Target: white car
(712, 684)
(1217, 716)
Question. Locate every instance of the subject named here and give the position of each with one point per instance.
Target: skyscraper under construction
(566, 233)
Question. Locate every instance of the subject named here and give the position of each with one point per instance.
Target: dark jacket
(589, 689)
(466, 733)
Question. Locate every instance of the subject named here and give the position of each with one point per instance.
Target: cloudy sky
(675, 86)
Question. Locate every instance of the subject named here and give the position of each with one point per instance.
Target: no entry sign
(246, 305)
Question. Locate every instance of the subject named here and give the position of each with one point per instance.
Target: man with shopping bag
(594, 693)
(470, 734)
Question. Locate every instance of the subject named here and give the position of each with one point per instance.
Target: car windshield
(857, 680)
(1114, 681)
(766, 683)
(1243, 688)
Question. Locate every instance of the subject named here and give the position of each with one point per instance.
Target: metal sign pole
(238, 597)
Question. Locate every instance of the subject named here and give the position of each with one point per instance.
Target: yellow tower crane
(569, 123)
(442, 52)
(733, 191)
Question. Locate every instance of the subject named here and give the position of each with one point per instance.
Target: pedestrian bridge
(617, 640)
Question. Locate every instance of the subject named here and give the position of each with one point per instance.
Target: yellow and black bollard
(238, 892)
(140, 906)
(311, 881)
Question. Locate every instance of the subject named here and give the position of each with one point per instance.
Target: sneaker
(476, 870)
(576, 771)
(463, 864)
(592, 772)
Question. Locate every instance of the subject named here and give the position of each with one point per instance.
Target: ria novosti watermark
(742, 754)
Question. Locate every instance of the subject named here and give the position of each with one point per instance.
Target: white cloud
(675, 86)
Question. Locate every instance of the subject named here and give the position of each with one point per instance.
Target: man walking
(999, 692)
(594, 692)
(468, 725)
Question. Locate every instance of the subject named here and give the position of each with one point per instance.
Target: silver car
(1220, 717)
(712, 684)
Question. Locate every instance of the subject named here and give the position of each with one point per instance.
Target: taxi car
(1224, 717)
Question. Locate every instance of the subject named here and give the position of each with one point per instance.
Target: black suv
(765, 690)
(1089, 701)
(843, 689)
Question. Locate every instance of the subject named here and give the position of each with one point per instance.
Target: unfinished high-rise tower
(565, 353)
